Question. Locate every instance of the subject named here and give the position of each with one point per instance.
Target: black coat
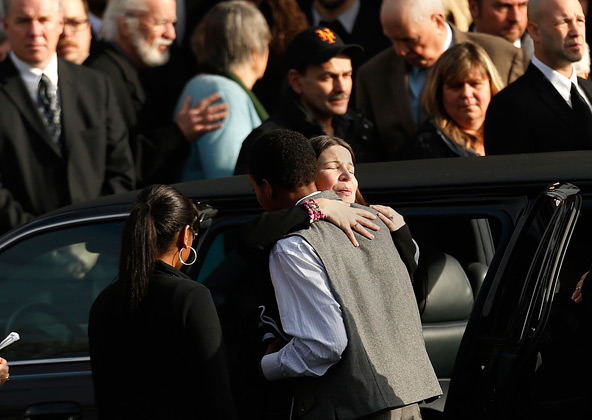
(35, 175)
(530, 116)
(431, 143)
(156, 141)
(166, 361)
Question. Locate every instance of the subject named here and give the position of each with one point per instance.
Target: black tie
(50, 108)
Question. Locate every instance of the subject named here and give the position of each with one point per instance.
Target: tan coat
(382, 91)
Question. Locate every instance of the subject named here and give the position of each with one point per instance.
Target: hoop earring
(191, 250)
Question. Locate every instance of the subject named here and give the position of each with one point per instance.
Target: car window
(48, 283)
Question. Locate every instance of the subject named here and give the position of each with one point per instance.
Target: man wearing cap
(317, 99)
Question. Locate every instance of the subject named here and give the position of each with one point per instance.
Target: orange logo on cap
(326, 34)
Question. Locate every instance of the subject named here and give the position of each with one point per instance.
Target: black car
(493, 285)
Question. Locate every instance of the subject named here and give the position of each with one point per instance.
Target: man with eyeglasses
(74, 44)
(138, 36)
(62, 138)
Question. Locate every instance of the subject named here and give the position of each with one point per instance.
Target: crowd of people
(181, 90)
(143, 93)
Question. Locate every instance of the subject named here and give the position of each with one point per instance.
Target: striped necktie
(50, 109)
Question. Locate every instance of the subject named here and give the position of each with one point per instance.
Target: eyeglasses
(195, 233)
(76, 25)
(154, 25)
(160, 25)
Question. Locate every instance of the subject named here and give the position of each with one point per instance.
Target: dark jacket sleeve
(119, 166)
(11, 211)
(154, 149)
(203, 328)
(406, 247)
(267, 229)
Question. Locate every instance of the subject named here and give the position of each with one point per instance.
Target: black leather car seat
(476, 273)
(445, 299)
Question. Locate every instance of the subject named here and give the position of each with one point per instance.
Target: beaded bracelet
(314, 211)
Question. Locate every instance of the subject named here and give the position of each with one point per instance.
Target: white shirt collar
(449, 38)
(561, 83)
(307, 197)
(518, 43)
(347, 18)
(448, 42)
(32, 75)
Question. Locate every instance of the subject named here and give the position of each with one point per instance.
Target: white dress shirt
(32, 75)
(561, 83)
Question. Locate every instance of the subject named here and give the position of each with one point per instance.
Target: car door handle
(54, 411)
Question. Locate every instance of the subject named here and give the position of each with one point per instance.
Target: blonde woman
(455, 99)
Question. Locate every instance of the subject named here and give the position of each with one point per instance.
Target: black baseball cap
(318, 45)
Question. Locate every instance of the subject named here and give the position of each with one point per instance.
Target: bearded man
(138, 36)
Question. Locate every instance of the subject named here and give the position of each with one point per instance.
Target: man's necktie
(582, 114)
(50, 108)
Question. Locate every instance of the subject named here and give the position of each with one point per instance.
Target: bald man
(549, 108)
(388, 86)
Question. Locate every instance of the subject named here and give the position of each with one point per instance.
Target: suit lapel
(549, 94)
(586, 87)
(399, 85)
(69, 103)
(458, 37)
(13, 86)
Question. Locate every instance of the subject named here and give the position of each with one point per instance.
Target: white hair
(6, 6)
(229, 33)
(115, 10)
(418, 10)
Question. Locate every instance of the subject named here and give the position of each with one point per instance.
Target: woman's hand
(577, 294)
(390, 217)
(348, 218)
(3, 371)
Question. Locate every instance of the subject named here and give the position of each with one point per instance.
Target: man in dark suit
(139, 35)
(548, 109)
(62, 139)
(389, 86)
(355, 21)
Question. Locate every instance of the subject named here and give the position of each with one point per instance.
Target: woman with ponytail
(155, 339)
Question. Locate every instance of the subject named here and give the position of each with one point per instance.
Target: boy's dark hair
(285, 158)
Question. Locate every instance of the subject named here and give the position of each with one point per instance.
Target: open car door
(511, 360)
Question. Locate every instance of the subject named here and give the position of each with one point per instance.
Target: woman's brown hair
(455, 65)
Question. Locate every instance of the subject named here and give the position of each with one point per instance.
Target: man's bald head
(416, 28)
(416, 10)
(558, 31)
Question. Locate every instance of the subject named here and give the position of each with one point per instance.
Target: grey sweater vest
(385, 364)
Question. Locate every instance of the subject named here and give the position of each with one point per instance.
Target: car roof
(509, 173)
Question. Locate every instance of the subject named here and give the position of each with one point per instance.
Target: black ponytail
(157, 215)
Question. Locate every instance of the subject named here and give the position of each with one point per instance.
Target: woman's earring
(194, 257)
